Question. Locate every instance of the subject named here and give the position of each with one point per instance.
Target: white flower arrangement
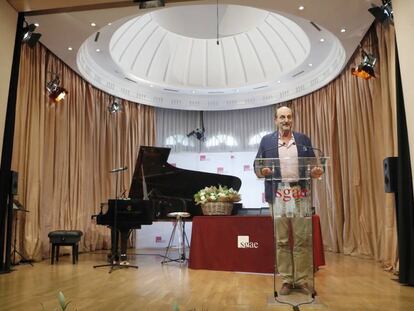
(216, 194)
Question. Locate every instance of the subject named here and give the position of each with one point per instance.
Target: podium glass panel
(294, 187)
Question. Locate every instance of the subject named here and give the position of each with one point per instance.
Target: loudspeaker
(14, 182)
(390, 174)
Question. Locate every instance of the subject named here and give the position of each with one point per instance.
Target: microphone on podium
(305, 148)
(119, 169)
(321, 153)
(272, 148)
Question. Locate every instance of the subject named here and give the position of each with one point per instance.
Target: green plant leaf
(66, 305)
(61, 299)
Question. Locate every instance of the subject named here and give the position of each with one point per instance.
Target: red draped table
(240, 243)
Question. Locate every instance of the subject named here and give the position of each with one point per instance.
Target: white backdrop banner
(238, 164)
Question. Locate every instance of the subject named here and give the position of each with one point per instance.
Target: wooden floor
(345, 283)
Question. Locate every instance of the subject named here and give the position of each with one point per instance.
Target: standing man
(286, 207)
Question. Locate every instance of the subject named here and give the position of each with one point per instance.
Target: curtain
(353, 121)
(63, 152)
(225, 131)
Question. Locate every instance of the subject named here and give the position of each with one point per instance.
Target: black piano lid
(167, 180)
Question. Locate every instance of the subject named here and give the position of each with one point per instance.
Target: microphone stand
(16, 209)
(115, 256)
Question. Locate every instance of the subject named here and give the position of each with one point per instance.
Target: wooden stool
(65, 238)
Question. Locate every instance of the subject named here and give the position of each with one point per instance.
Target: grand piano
(157, 188)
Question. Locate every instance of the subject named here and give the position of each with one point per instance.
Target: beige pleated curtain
(353, 121)
(63, 152)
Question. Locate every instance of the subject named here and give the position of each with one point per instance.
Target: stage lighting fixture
(147, 4)
(114, 107)
(56, 92)
(29, 36)
(198, 133)
(365, 70)
(382, 13)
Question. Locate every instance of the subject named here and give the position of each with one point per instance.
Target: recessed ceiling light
(278, 81)
(70, 48)
(37, 24)
(109, 24)
(151, 85)
(98, 50)
(310, 65)
(93, 24)
(301, 8)
(343, 30)
(322, 40)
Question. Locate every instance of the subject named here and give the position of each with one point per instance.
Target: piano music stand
(17, 207)
(114, 253)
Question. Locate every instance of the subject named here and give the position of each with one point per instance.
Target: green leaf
(61, 299)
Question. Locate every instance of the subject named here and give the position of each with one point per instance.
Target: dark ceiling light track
(89, 7)
(148, 4)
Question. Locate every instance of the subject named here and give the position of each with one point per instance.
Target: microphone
(305, 148)
(273, 148)
(119, 169)
(321, 153)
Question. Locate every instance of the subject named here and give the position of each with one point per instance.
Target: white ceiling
(268, 51)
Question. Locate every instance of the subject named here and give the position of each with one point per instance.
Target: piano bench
(65, 238)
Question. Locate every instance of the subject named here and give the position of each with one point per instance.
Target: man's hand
(316, 172)
(266, 171)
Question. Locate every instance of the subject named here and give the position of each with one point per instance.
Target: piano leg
(114, 245)
(124, 243)
(119, 259)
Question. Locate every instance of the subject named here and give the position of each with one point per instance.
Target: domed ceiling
(198, 55)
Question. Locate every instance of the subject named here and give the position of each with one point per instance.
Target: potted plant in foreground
(216, 200)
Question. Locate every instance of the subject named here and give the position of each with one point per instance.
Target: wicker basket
(217, 208)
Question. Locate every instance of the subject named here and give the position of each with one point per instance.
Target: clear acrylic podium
(294, 193)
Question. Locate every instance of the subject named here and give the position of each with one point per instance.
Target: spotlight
(56, 92)
(147, 4)
(114, 107)
(382, 13)
(198, 133)
(29, 36)
(365, 70)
